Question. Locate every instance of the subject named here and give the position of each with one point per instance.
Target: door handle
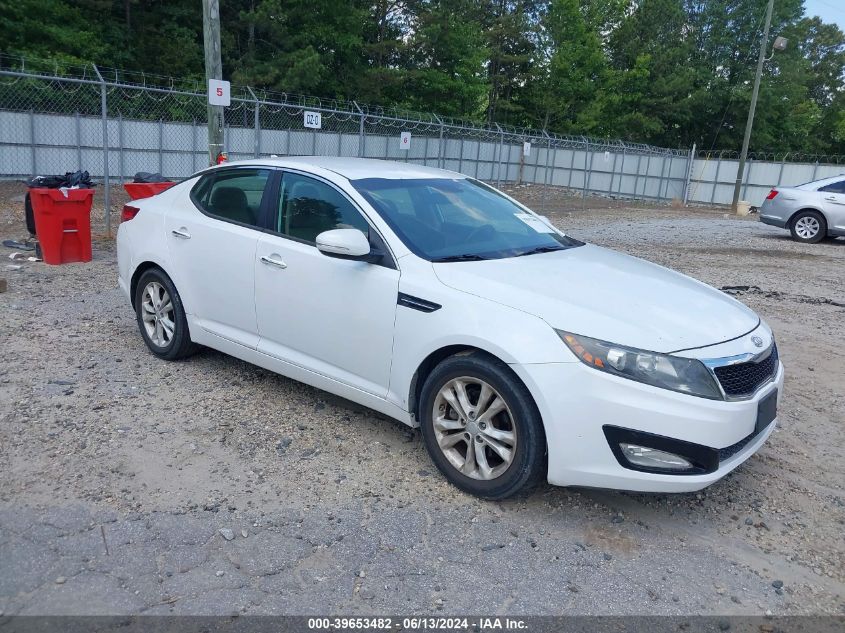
(182, 233)
(831, 198)
(273, 260)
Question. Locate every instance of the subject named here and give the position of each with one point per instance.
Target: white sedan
(522, 353)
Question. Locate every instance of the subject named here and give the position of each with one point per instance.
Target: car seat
(231, 203)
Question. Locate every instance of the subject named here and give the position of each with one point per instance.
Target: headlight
(686, 375)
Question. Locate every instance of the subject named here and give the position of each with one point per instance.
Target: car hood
(606, 295)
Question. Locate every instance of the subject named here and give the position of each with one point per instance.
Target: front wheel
(481, 427)
(808, 226)
(161, 317)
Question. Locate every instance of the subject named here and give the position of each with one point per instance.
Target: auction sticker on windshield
(534, 222)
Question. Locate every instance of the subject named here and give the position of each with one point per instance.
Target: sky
(827, 10)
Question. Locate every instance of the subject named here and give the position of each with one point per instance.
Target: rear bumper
(773, 220)
(577, 403)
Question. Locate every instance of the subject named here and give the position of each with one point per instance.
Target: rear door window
(233, 195)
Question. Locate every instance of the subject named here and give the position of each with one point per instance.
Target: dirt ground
(132, 485)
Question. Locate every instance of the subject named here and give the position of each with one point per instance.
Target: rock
(736, 600)
(749, 521)
(219, 573)
(777, 584)
(724, 625)
(607, 556)
(226, 533)
(492, 546)
(617, 519)
(244, 533)
(61, 580)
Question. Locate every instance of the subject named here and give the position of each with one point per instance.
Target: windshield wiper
(541, 249)
(469, 257)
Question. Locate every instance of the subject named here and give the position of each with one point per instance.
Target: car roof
(353, 168)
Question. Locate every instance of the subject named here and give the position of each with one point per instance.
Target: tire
(474, 373)
(164, 331)
(809, 227)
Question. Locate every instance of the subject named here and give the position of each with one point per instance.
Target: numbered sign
(526, 149)
(219, 92)
(313, 120)
(405, 140)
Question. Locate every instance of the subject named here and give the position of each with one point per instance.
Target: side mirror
(344, 243)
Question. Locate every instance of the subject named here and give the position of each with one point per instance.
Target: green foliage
(667, 72)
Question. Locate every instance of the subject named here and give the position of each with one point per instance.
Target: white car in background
(811, 211)
(522, 353)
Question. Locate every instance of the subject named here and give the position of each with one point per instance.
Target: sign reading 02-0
(312, 120)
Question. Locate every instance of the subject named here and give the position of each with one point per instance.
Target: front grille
(743, 379)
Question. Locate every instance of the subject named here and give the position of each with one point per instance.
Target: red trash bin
(63, 224)
(138, 190)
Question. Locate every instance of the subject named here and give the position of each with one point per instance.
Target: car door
(833, 197)
(327, 315)
(212, 246)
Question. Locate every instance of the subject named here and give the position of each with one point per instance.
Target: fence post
(461, 157)
(815, 169)
(32, 139)
(256, 126)
(104, 111)
(478, 156)
(120, 149)
(360, 130)
(612, 175)
(588, 174)
(501, 148)
(782, 163)
(637, 174)
(660, 182)
(546, 172)
(440, 152)
(716, 178)
(78, 141)
(621, 171)
(690, 162)
(194, 146)
(161, 146)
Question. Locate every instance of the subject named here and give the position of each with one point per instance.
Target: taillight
(128, 213)
(772, 194)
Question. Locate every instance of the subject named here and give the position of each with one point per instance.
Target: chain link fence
(114, 124)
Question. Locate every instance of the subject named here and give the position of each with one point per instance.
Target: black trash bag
(30, 216)
(81, 179)
(145, 176)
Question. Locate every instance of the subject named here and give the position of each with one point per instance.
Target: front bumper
(576, 402)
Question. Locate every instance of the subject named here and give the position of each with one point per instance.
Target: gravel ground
(132, 485)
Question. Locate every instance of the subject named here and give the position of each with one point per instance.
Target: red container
(63, 224)
(138, 190)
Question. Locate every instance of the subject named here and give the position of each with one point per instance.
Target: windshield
(458, 220)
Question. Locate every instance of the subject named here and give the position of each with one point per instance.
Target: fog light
(653, 458)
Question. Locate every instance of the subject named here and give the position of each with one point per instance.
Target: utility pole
(213, 70)
(740, 172)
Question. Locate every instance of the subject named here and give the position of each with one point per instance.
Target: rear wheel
(808, 226)
(481, 427)
(161, 317)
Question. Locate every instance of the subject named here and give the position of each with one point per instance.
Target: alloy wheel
(474, 428)
(157, 313)
(807, 227)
